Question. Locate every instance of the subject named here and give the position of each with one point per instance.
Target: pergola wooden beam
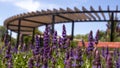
(21, 26)
(35, 21)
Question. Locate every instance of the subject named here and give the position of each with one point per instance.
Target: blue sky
(13, 7)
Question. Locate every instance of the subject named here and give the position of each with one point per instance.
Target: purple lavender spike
(36, 50)
(90, 47)
(118, 62)
(60, 42)
(109, 63)
(96, 61)
(90, 37)
(68, 63)
(46, 38)
(64, 34)
(106, 52)
(54, 40)
(103, 52)
(90, 42)
(37, 59)
(53, 62)
(31, 63)
(97, 37)
(9, 63)
(45, 63)
(8, 56)
(8, 52)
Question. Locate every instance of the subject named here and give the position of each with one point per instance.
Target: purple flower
(74, 64)
(31, 63)
(71, 52)
(97, 37)
(45, 63)
(60, 42)
(90, 37)
(37, 46)
(64, 34)
(8, 56)
(8, 52)
(90, 46)
(118, 62)
(96, 61)
(106, 52)
(68, 63)
(109, 63)
(103, 51)
(90, 42)
(53, 62)
(116, 52)
(37, 59)
(9, 63)
(75, 56)
(46, 38)
(54, 40)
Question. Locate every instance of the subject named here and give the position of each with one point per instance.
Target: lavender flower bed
(60, 53)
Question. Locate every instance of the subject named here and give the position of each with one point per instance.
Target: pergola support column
(33, 35)
(72, 33)
(46, 25)
(10, 36)
(112, 28)
(18, 36)
(53, 22)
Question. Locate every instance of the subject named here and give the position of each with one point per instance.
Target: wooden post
(33, 35)
(112, 28)
(53, 22)
(72, 33)
(18, 36)
(10, 36)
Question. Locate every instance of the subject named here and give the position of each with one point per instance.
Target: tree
(2, 31)
(116, 33)
(27, 39)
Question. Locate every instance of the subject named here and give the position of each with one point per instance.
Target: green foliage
(37, 31)
(20, 59)
(2, 31)
(85, 37)
(27, 39)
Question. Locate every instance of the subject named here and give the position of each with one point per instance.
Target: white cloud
(7, 0)
(29, 5)
(119, 15)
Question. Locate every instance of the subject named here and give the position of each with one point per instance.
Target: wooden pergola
(27, 22)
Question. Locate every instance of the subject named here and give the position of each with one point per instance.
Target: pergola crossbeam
(100, 9)
(35, 21)
(65, 17)
(23, 30)
(92, 9)
(20, 26)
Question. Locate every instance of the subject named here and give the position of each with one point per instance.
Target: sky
(13, 7)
